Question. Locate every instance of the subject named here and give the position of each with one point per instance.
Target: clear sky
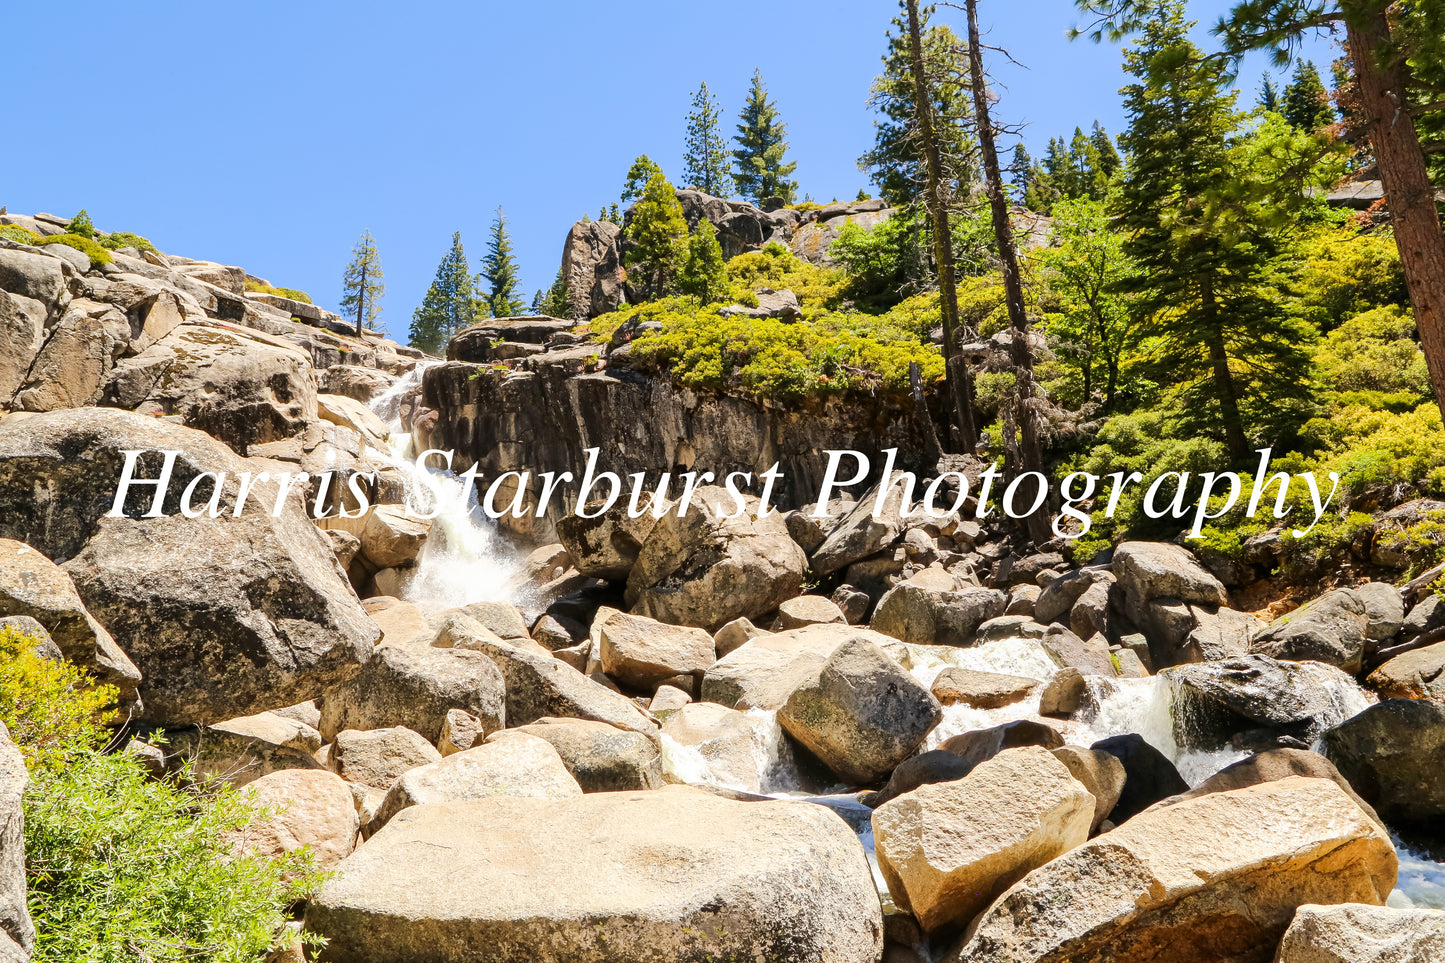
(270, 134)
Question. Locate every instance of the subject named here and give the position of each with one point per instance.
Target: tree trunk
(1223, 380)
(1408, 191)
(956, 377)
(1031, 455)
(925, 421)
(361, 299)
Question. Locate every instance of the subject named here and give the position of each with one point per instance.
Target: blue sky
(270, 134)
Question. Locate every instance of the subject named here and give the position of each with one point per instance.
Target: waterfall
(464, 559)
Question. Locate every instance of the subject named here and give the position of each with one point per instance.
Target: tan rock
(763, 672)
(1361, 933)
(607, 877)
(402, 623)
(460, 731)
(640, 652)
(312, 808)
(1102, 774)
(1217, 878)
(981, 690)
(377, 757)
(948, 849)
(808, 610)
(729, 745)
(350, 413)
(734, 635)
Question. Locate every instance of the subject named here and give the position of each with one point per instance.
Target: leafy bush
(97, 254)
(120, 239)
(18, 234)
(81, 226)
(49, 707)
(121, 867)
(777, 267)
(1375, 352)
(878, 262)
(258, 288)
(1343, 273)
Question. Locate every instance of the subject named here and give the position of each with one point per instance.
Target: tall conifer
(759, 170)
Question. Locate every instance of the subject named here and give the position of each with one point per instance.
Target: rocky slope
(994, 754)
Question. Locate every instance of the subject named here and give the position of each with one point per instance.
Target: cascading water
(464, 559)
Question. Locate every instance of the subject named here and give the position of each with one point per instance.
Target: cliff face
(543, 419)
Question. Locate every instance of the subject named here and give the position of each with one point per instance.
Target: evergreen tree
(896, 163)
(499, 270)
(705, 163)
(1269, 94)
(1083, 163)
(1021, 173)
(1305, 103)
(638, 175)
(449, 305)
(1106, 155)
(557, 303)
(759, 170)
(704, 273)
(361, 285)
(658, 232)
(1202, 260)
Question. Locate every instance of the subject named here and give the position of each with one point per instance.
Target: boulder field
(587, 764)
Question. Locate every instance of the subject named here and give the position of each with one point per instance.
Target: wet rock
(1149, 775)
(1217, 878)
(1330, 629)
(863, 715)
(1393, 754)
(981, 690)
(415, 687)
(934, 608)
(948, 849)
(1063, 694)
(509, 763)
(729, 743)
(1215, 701)
(602, 758)
(1361, 933)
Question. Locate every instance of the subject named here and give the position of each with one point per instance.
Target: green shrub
(121, 867)
(777, 267)
(49, 707)
(97, 254)
(18, 234)
(120, 239)
(258, 288)
(1375, 352)
(81, 226)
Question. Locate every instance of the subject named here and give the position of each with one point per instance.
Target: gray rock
(605, 546)
(981, 690)
(1384, 610)
(15, 923)
(1393, 754)
(415, 687)
(1361, 933)
(378, 757)
(1331, 629)
(602, 758)
(863, 716)
(1149, 775)
(933, 608)
(860, 534)
(1217, 701)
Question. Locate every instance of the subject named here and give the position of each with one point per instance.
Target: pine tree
(759, 171)
(361, 286)
(705, 163)
(1269, 94)
(704, 274)
(1202, 260)
(1305, 103)
(449, 305)
(896, 163)
(1021, 173)
(638, 175)
(658, 232)
(1106, 155)
(499, 270)
(558, 301)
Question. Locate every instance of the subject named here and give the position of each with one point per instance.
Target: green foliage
(1378, 450)
(557, 302)
(122, 867)
(97, 254)
(759, 170)
(50, 708)
(658, 232)
(18, 234)
(1093, 332)
(1082, 168)
(450, 302)
(1305, 102)
(1343, 273)
(704, 273)
(499, 270)
(293, 293)
(776, 267)
(1375, 352)
(895, 163)
(879, 262)
(705, 164)
(120, 239)
(362, 287)
(641, 171)
(81, 226)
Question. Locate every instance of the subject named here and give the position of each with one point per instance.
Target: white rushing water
(465, 559)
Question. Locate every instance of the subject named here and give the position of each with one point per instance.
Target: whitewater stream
(466, 560)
